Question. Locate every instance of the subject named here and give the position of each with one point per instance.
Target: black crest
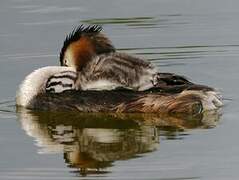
(76, 34)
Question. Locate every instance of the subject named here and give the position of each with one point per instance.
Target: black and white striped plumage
(61, 82)
(116, 70)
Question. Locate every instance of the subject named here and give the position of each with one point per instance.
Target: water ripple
(7, 109)
(52, 9)
(52, 22)
(158, 54)
(139, 22)
(24, 56)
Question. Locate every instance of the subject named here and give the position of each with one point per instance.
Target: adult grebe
(53, 88)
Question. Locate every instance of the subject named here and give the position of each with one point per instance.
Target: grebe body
(100, 79)
(53, 89)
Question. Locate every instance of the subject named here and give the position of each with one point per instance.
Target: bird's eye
(65, 62)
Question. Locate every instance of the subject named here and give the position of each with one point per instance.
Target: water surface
(198, 39)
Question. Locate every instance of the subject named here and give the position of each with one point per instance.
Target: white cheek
(69, 59)
(67, 63)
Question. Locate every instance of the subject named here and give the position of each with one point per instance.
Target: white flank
(146, 80)
(100, 84)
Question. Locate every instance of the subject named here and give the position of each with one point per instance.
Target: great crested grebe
(127, 83)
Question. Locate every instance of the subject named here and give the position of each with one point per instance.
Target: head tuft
(99, 41)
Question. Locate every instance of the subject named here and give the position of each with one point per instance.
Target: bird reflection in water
(91, 142)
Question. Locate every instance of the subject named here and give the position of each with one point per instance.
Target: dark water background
(198, 39)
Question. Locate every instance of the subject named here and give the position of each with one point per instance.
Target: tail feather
(188, 102)
(199, 101)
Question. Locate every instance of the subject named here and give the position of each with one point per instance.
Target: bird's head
(82, 44)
